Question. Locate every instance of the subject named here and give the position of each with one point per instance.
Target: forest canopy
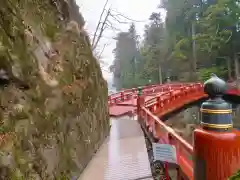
(197, 38)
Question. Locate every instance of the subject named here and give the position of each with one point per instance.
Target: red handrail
(167, 98)
(128, 94)
(164, 102)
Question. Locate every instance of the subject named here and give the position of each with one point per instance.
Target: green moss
(235, 176)
(48, 114)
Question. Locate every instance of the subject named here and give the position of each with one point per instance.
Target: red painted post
(216, 143)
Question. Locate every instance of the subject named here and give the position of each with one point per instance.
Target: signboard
(164, 153)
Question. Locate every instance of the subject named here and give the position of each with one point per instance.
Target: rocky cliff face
(53, 110)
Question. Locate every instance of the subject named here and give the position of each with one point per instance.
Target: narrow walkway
(123, 156)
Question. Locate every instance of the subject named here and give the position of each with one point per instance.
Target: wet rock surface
(54, 111)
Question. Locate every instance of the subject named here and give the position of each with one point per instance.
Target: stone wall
(54, 112)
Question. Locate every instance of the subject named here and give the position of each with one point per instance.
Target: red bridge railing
(162, 104)
(168, 98)
(129, 94)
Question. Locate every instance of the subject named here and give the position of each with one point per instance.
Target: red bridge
(214, 155)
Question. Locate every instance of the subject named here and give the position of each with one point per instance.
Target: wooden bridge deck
(123, 156)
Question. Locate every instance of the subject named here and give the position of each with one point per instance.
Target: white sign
(164, 152)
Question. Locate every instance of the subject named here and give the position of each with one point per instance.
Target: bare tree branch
(121, 22)
(100, 54)
(110, 25)
(101, 30)
(125, 17)
(99, 22)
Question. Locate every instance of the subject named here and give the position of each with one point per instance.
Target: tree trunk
(236, 62)
(193, 73)
(160, 74)
(229, 67)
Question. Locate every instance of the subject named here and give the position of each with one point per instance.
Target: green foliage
(235, 176)
(205, 73)
(126, 58)
(194, 37)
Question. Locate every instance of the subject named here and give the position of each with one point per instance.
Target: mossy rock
(55, 124)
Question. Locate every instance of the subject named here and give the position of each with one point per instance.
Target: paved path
(123, 156)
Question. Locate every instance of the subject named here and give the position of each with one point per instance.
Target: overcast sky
(138, 10)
